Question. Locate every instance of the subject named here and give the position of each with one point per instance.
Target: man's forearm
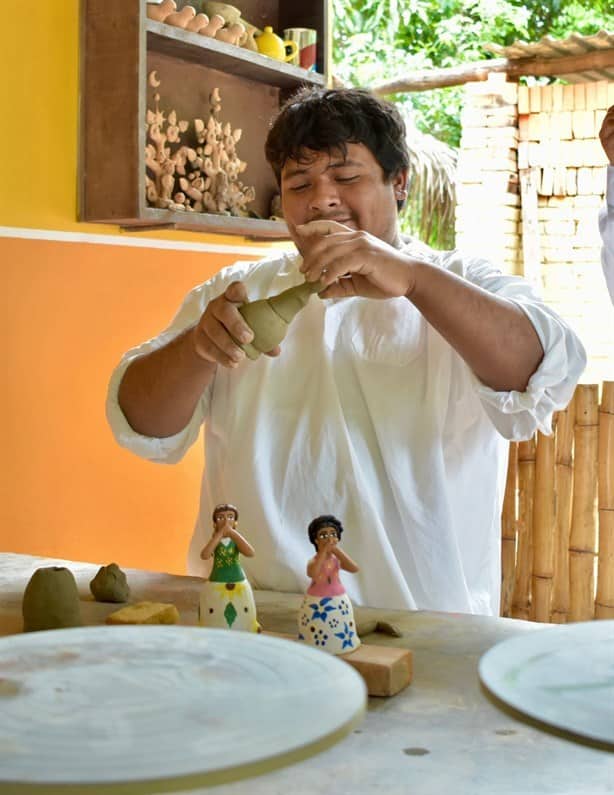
(493, 335)
(159, 391)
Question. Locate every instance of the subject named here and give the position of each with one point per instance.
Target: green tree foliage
(376, 40)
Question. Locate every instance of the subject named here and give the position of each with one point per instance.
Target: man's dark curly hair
(325, 120)
(323, 521)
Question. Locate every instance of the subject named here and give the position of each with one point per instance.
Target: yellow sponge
(145, 613)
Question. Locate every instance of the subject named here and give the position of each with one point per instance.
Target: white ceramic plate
(172, 706)
(563, 676)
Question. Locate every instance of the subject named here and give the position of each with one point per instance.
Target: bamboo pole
(524, 559)
(604, 603)
(563, 484)
(508, 532)
(583, 538)
(543, 530)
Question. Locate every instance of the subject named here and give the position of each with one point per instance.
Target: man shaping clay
(394, 394)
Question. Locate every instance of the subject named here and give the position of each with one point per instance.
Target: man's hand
(606, 135)
(350, 262)
(220, 323)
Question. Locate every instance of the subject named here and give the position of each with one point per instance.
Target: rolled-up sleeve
(168, 449)
(517, 415)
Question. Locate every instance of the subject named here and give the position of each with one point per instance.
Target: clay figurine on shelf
(160, 11)
(216, 23)
(232, 18)
(180, 19)
(233, 34)
(226, 600)
(198, 23)
(326, 617)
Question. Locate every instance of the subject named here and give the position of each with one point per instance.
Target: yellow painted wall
(69, 310)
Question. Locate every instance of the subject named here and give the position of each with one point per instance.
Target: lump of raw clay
(110, 584)
(51, 600)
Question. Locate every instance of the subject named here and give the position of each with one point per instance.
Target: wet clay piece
(110, 584)
(51, 600)
(269, 318)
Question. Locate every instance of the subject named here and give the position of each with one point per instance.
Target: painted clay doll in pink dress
(326, 617)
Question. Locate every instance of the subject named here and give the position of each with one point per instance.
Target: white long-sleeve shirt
(368, 414)
(606, 227)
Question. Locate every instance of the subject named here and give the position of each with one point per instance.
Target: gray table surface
(443, 734)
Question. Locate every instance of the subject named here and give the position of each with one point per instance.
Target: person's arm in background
(606, 217)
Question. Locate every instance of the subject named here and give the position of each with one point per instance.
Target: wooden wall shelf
(183, 45)
(216, 224)
(120, 46)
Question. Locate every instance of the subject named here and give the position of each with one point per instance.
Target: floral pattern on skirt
(228, 605)
(327, 622)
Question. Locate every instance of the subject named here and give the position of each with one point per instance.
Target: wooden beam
(440, 78)
(465, 73)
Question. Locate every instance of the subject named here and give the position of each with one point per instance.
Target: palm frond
(429, 212)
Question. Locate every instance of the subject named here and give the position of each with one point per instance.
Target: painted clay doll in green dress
(226, 600)
(326, 616)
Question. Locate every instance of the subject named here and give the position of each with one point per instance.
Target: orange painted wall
(68, 490)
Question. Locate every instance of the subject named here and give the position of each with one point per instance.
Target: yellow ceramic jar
(273, 46)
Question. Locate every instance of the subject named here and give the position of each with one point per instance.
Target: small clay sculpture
(160, 11)
(216, 23)
(230, 14)
(269, 318)
(51, 600)
(226, 600)
(326, 616)
(232, 33)
(180, 19)
(110, 584)
(204, 179)
(199, 22)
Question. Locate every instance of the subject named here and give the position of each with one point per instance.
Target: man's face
(350, 190)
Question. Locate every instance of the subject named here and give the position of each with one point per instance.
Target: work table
(444, 733)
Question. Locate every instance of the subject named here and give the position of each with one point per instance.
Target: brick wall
(531, 181)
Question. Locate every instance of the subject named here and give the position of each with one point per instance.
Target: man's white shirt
(368, 414)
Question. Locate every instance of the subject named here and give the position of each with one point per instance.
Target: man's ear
(400, 183)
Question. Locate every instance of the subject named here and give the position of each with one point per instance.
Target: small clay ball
(51, 600)
(110, 584)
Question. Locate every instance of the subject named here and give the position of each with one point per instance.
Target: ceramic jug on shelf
(270, 44)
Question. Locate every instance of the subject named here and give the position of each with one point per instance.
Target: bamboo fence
(557, 524)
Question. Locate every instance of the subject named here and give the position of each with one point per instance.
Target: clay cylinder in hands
(269, 318)
(51, 600)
